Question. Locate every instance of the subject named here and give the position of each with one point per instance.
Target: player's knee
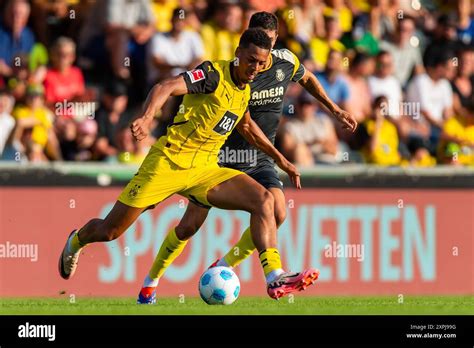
(280, 216)
(184, 231)
(265, 204)
(111, 232)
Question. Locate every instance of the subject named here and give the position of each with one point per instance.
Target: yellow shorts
(158, 178)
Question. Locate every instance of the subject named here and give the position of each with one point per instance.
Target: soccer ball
(219, 286)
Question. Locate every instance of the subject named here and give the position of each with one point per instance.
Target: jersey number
(226, 124)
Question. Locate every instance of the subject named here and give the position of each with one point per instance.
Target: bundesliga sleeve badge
(196, 75)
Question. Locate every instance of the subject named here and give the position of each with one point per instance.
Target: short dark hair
(439, 58)
(470, 106)
(116, 88)
(379, 101)
(264, 20)
(383, 53)
(4, 92)
(179, 12)
(257, 37)
(360, 58)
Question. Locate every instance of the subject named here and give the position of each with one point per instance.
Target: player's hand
(292, 172)
(346, 119)
(141, 128)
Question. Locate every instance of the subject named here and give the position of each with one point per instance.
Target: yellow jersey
(219, 44)
(320, 49)
(458, 127)
(44, 117)
(208, 114)
(386, 151)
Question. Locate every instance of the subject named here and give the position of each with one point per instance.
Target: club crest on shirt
(280, 75)
(134, 191)
(196, 75)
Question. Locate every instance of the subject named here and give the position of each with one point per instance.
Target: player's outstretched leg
(244, 193)
(96, 230)
(245, 244)
(170, 249)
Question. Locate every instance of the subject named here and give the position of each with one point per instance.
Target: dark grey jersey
(265, 106)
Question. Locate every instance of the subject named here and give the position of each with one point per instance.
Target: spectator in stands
(360, 38)
(457, 139)
(15, 37)
(111, 115)
(249, 11)
(116, 25)
(80, 145)
(385, 83)
(7, 121)
(304, 18)
(116, 32)
(53, 19)
(35, 130)
(163, 13)
(199, 11)
(333, 81)
(320, 46)
(360, 69)
(86, 138)
(465, 29)
(433, 94)
(420, 155)
(286, 39)
(131, 151)
(383, 18)
(173, 52)
(337, 8)
(63, 81)
(310, 137)
(444, 39)
(221, 35)
(406, 55)
(463, 82)
(382, 141)
(19, 79)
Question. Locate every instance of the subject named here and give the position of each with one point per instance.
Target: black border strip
(275, 330)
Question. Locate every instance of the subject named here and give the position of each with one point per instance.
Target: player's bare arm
(255, 136)
(311, 84)
(155, 100)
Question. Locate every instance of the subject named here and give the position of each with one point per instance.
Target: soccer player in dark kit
(267, 92)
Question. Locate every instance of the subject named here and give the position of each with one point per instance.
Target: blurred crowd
(74, 73)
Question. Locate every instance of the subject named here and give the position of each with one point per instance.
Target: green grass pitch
(386, 305)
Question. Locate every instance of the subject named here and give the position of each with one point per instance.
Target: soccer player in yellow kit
(265, 106)
(185, 161)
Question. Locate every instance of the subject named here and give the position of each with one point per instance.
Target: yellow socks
(170, 250)
(270, 260)
(243, 249)
(74, 243)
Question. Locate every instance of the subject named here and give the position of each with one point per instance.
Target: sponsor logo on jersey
(226, 123)
(267, 96)
(268, 93)
(196, 75)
